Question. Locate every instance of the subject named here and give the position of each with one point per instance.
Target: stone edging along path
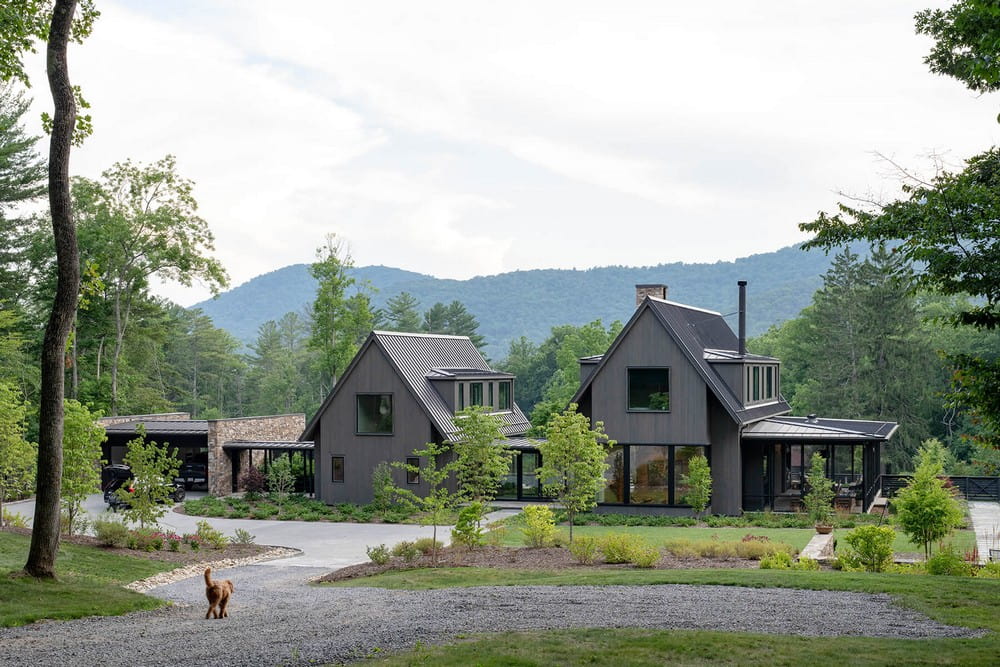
(196, 569)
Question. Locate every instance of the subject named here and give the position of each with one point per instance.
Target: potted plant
(818, 500)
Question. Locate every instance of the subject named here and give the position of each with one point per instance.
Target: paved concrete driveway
(328, 545)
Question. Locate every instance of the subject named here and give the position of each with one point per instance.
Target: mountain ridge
(530, 302)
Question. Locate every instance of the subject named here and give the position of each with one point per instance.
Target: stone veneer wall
(655, 291)
(264, 429)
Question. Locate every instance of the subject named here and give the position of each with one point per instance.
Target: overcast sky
(472, 138)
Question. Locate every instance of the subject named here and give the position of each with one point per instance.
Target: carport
(244, 453)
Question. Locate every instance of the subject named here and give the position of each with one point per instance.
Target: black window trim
(343, 469)
(392, 402)
(628, 408)
(415, 461)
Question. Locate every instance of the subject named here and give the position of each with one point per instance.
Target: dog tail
(208, 576)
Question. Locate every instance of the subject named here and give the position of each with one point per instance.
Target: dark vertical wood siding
(411, 430)
(727, 478)
(649, 344)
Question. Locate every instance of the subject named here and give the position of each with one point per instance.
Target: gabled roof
(813, 428)
(696, 331)
(418, 359)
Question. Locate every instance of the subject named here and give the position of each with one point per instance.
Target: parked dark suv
(117, 475)
(193, 474)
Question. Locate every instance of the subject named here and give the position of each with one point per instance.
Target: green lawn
(961, 601)
(89, 583)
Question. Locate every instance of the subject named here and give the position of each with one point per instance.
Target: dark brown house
(401, 391)
(677, 382)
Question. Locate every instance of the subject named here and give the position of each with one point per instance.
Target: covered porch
(776, 454)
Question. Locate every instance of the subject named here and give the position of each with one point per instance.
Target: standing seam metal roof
(415, 355)
(696, 330)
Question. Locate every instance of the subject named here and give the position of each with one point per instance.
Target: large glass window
(503, 393)
(375, 413)
(649, 389)
(649, 475)
(475, 393)
(761, 383)
(682, 466)
(614, 477)
(461, 395)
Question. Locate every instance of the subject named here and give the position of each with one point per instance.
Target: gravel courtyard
(277, 618)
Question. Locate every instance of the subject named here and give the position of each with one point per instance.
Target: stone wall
(655, 291)
(273, 428)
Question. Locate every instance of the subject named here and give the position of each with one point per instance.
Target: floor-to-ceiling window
(648, 474)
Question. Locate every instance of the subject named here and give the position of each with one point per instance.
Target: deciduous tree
(573, 461)
(153, 468)
(482, 460)
(438, 502)
(138, 222)
(82, 438)
(18, 457)
(23, 23)
(926, 509)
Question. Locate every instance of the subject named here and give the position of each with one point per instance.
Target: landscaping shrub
(406, 550)
(495, 533)
(264, 512)
(805, 563)
(73, 525)
(15, 519)
(869, 548)
(111, 533)
(192, 540)
(989, 571)
(539, 526)
(682, 548)
(378, 554)
(618, 547)
(426, 545)
(776, 561)
(947, 562)
(174, 543)
(467, 531)
(584, 549)
(208, 534)
(310, 515)
(755, 547)
(253, 482)
(242, 536)
(645, 555)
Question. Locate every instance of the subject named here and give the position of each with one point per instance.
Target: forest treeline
(873, 344)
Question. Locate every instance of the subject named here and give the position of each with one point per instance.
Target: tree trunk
(45, 535)
(75, 387)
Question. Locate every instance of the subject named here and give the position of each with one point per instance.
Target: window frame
(476, 393)
(333, 469)
(413, 477)
(357, 410)
(628, 389)
(509, 386)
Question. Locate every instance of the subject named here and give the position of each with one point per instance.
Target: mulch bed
(183, 557)
(524, 558)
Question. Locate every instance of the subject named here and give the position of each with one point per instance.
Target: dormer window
(475, 393)
(493, 395)
(761, 383)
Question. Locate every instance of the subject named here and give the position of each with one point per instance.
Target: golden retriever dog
(218, 593)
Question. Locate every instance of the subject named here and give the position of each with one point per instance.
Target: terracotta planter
(824, 528)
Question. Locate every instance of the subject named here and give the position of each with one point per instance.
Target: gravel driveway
(278, 619)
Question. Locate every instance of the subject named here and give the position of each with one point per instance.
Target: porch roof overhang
(286, 445)
(520, 443)
(820, 429)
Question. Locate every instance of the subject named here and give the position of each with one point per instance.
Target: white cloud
(461, 138)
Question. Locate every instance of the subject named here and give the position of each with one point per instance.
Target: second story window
(761, 383)
(503, 395)
(475, 393)
(375, 414)
(649, 389)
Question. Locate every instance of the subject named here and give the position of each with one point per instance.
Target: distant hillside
(530, 303)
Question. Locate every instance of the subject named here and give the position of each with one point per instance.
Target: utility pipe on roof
(743, 317)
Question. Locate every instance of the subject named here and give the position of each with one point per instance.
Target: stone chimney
(655, 291)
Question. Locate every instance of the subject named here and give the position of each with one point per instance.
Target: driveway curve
(277, 618)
